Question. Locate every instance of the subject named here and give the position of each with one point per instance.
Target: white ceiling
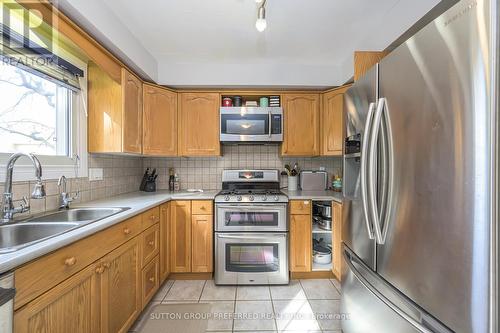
(308, 43)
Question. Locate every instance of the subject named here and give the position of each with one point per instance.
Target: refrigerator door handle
(363, 172)
(416, 317)
(388, 175)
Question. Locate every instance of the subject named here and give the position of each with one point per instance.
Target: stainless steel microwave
(251, 124)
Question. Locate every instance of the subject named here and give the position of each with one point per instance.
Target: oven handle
(253, 208)
(246, 236)
(269, 120)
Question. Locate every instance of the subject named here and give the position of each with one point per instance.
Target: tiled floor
(302, 306)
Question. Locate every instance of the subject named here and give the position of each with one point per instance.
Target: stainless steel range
(251, 229)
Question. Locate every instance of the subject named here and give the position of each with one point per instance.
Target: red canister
(227, 101)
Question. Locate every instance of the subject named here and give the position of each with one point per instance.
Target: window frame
(55, 166)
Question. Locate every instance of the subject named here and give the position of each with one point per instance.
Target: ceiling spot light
(261, 23)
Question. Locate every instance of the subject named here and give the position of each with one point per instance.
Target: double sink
(17, 235)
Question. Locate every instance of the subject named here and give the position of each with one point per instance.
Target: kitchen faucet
(8, 209)
(65, 200)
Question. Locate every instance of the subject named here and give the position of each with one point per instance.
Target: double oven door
(251, 244)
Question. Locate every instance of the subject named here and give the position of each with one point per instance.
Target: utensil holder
(292, 183)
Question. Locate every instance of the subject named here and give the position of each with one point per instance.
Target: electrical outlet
(96, 174)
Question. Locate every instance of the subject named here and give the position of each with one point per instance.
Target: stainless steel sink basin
(78, 215)
(14, 236)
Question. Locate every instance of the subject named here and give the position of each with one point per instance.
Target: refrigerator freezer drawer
(371, 305)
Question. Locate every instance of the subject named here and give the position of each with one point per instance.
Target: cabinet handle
(153, 217)
(70, 261)
(99, 270)
(152, 279)
(106, 265)
(151, 243)
(126, 231)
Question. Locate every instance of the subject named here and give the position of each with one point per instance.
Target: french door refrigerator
(420, 182)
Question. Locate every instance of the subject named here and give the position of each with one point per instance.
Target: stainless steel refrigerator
(420, 182)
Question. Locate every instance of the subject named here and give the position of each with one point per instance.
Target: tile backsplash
(206, 173)
(121, 175)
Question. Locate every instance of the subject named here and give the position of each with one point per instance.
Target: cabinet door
(300, 243)
(337, 239)
(160, 122)
(132, 113)
(121, 287)
(332, 122)
(71, 306)
(202, 243)
(199, 124)
(180, 236)
(301, 125)
(164, 241)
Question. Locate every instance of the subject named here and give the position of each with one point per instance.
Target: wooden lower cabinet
(150, 280)
(202, 243)
(300, 243)
(180, 236)
(191, 237)
(164, 241)
(337, 240)
(120, 287)
(71, 306)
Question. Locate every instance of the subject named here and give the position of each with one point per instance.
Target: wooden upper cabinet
(160, 121)
(365, 60)
(332, 122)
(71, 306)
(180, 236)
(114, 112)
(132, 112)
(121, 287)
(301, 125)
(199, 124)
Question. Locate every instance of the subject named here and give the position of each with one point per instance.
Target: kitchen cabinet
(180, 233)
(300, 236)
(71, 306)
(365, 60)
(201, 243)
(337, 239)
(160, 121)
(164, 241)
(120, 287)
(191, 236)
(199, 124)
(114, 112)
(98, 284)
(332, 122)
(301, 125)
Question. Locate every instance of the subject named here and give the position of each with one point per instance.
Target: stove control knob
(264, 198)
(238, 198)
(276, 198)
(250, 198)
(226, 198)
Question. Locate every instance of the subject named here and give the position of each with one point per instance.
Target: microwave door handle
(269, 117)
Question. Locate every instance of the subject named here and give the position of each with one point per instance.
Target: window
(35, 113)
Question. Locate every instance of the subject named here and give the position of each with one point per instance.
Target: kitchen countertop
(138, 203)
(313, 195)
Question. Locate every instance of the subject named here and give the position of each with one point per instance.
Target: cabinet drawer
(300, 207)
(202, 207)
(150, 280)
(150, 217)
(150, 243)
(40, 275)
